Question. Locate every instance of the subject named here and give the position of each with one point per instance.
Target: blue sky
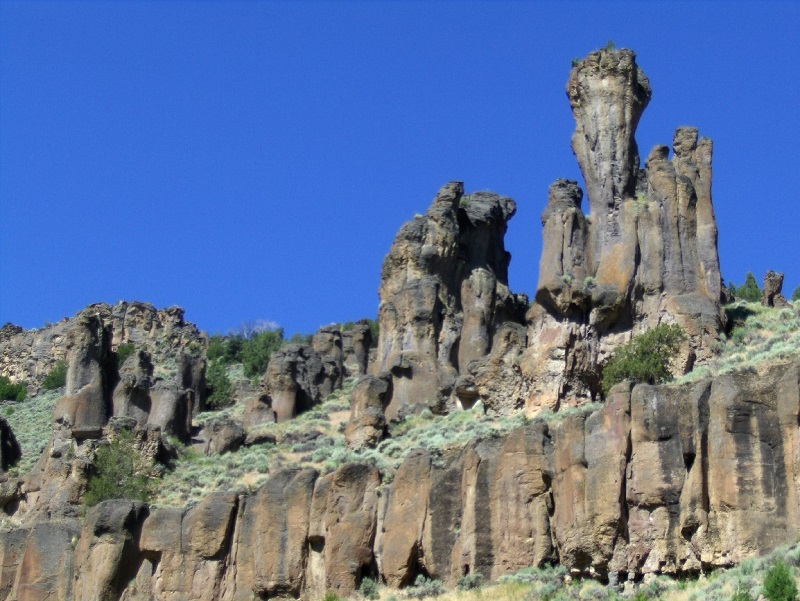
(253, 160)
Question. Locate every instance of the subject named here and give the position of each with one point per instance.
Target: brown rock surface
(773, 286)
(646, 253)
(443, 295)
(368, 401)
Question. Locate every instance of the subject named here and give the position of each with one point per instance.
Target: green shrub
(257, 350)
(218, 385)
(56, 377)
(331, 596)
(121, 472)
(123, 352)
(425, 587)
(298, 338)
(741, 593)
(227, 349)
(645, 358)
(796, 294)
(749, 291)
(12, 391)
(369, 589)
(779, 583)
(469, 582)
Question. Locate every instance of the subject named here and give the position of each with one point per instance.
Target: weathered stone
(356, 343)
(29, 355)
(219, 436)
(193, 549)
(106, 554)
(646, 254)
(444, 292)
(399, 539)
(342, 527)
(47, 563)
(368, 401)
(272, 537)
(771, 295)
(299, 377)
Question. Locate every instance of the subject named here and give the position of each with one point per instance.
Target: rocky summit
(468, 436)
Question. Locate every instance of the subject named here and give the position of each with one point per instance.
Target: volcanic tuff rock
(174, 347)
(645, 254)
(443, 296)
(660, 479)
(773, 285)
(300, 376)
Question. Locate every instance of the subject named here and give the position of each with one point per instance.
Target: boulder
(219, 435)
(368, 401)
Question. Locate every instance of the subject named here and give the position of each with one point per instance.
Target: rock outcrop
(660, 479)
(174, 345)
(10, 451)
(773, 286)
(300, 376)
(645, 254)
(368, 403)
(443, 297)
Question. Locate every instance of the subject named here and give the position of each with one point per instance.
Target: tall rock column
(443, 296)
(645, 254)
(608, 93)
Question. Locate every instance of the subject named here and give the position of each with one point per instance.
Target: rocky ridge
(659, 479)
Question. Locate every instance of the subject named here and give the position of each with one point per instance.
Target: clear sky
(253, 160)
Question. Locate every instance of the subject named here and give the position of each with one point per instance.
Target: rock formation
(443, 297)
(300, 376)
(645, 254)
(28, 355)
(771, 295)
(368, 403)
(661, 479)
(9, 447)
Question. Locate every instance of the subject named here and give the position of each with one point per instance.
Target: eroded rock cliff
(660, 479)
(645, 254)
(444, 298)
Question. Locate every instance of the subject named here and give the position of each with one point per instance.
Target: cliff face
(645, 254)
(658, 479)
(661, 479)
(444, 299)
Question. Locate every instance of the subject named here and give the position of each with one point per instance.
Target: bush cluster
(779, 583)
(369, 589)
(121, 472)
(218, 384)
(645, 358)
(123, 352)
(56, 377)
(252, 352)
(749, 291)
(425, 587)
(12, 391)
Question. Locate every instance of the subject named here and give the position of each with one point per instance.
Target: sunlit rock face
(444, 299)
(645, 253)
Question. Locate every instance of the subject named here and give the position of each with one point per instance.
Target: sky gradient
(254, 160)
